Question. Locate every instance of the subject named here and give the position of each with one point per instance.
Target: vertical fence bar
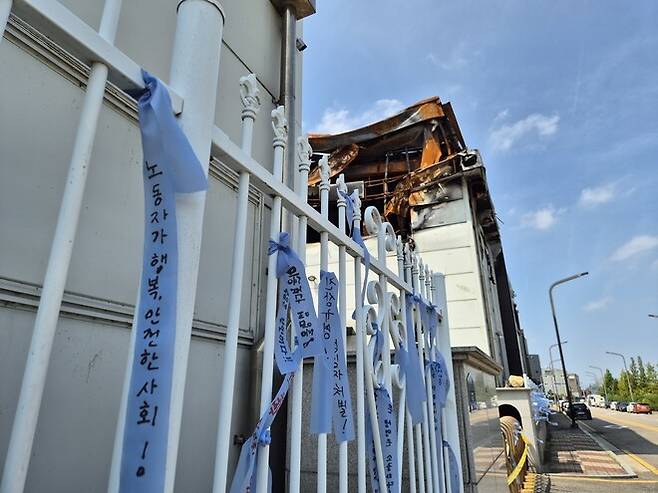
(360, 366)
(426, 426)
(297, 389)
(428, 387)
(410, 346)
(38, 358)
(439, 441)
(415, 335)
(324, 265)
(342, 308)
(279, 125)
(370, 377)
(450, 411)
(251, 104)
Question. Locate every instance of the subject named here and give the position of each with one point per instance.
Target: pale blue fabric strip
(412, 367)
(455, 475)
(245, 473)
(330, 378)
(293, 285)
(170, 166)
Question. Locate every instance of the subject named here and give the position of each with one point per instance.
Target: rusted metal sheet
(427, 109)
(338, 161)
(415, 182)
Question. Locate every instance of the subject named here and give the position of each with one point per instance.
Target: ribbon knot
(264, 437)
(283, 245)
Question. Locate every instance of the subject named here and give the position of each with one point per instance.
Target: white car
(613, 406)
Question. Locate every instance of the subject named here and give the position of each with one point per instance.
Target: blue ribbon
(244, 479)
(388, 431)
(455, 476)
(294, 297)
(170, 167)
(330, 378)
(412, 368)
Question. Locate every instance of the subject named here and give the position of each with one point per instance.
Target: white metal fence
(192, 87)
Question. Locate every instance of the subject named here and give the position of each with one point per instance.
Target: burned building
(417, 167)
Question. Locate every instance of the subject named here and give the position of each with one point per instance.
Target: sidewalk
(571, 451)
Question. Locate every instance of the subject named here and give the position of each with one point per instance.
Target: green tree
(641, 373)
(651, 375)
(610, 383)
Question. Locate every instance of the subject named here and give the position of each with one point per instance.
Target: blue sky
(561, 98)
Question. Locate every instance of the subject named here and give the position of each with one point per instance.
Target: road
(636, 438)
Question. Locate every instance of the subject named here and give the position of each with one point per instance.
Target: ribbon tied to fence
(330, 378)
(387, 427)
(295, 299)
(170, 167)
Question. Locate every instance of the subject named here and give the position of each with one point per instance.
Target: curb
(613, 451)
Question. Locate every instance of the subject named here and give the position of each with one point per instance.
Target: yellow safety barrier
(519, 467)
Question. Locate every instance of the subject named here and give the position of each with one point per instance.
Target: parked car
(630, 408)
(621, 406)
(581, 411)
(642, 408)
(613, 406)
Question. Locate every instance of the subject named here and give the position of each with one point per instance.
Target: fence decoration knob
(250, 96)
(304, 153)
(324, 173)
(280, 127)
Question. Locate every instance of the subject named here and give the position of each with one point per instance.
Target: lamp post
(559, 343)
(550, 354)
(605, 389)
(628, 380)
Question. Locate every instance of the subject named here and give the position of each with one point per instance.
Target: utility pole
(628, 379)
(559, 343)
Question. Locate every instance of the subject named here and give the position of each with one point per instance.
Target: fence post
(450, 410)
(194, 75)
(59, 260)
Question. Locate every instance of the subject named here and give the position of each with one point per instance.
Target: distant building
(554, 382)
(534, 369)
(574, 385)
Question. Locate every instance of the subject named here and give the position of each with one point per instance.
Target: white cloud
(449, 62)
(598, 304)
(590, 197)
(506, 135)
(338, 120)
(542, 219)
(634, 246)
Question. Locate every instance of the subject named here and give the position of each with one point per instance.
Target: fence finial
(280, 127)
(324, 173)
(304, 153)
(250, 96)
(356, 199)
(399, 249)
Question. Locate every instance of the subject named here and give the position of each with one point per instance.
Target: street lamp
(559, 343)
(550, 354)
(605, 389)
(628, 380)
